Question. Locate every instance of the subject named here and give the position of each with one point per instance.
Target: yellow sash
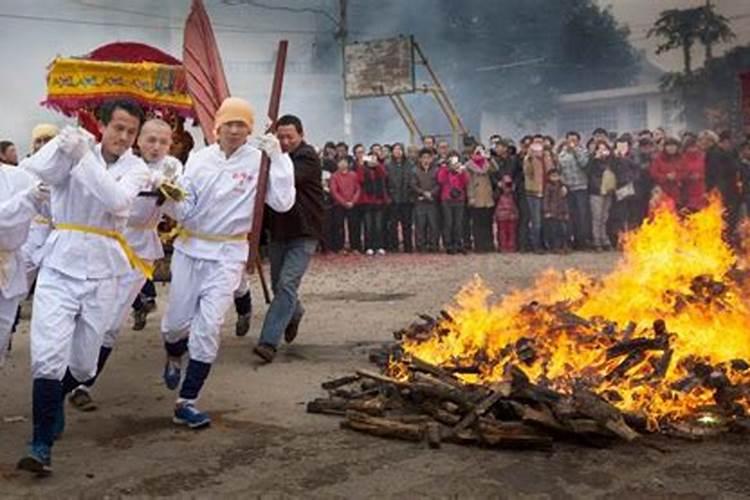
(181, 232)
(135, 261)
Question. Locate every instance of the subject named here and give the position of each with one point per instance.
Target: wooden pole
(265, 162)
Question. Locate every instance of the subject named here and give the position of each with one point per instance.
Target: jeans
(399, 214)
(342, 216)
(481, 228)
(535, 217)
(426, 223)
(289, 261)
(580, 217)
(600, 206)
(355, 228)
(373, 218)
(453, 221)
(555, 233)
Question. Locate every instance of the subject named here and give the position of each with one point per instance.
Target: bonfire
(658, 344)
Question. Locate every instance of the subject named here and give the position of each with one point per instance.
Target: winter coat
(694, 180)
(399, 177)
(722, 171)
(305, 219)
(373, 182)
(598, 171)
(555, 201)
(664, 165)
(506, 208)
(480, 185)
(425, 181)
(534, 171)
(345, 188)
(453, 184)
(573, 168)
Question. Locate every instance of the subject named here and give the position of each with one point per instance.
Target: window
(585, 120)
(637, 113)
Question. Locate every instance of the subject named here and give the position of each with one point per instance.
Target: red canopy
(131, 52)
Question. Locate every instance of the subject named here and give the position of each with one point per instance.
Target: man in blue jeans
(294, 238)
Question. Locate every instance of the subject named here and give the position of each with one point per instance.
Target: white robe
(77, 285)
(205, 274)
(17, 209)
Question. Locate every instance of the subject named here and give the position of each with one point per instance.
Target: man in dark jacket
(426, 192)
(400, 211)
(294, 238)
(722, 174)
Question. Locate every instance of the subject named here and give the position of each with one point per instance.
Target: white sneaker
(381, 251)
(370, 252)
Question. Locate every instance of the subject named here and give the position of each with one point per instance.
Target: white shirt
(141, 230)
(40, 228)
(89, 193)
(221, 199)
(17, 209)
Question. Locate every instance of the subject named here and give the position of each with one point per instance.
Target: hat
(43, 130)
(234, 109)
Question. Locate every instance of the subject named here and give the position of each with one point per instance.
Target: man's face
(376, 150)
(726, 145)
(289, 138)
(120, 133)
(397, 153)
(154, 142)
(359, 154)
(232, 135)
(11, 155)
(658, 134)
(443, 149)
(573, 140)
(425, 161)
(501, 149)
(671, 149)
(429, 142)
(600, 137)
(341, 152)
(39, 142)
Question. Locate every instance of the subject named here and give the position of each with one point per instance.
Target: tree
(679, 28)
(715, 29)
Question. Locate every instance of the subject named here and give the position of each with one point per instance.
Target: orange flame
(678, 270)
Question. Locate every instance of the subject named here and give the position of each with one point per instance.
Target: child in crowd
(506, 216)
(555, 211)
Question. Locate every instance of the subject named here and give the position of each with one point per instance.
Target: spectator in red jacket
(453, 180)
(373, 199)
(666, 170)
(693, 175)
(345, 191)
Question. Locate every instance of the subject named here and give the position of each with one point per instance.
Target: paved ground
(262, 442)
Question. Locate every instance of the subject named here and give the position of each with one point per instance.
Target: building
(642, 105)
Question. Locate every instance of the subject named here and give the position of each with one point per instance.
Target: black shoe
(291, 331)
(243, 325)
(266, 352)
(139, 319)
(81, 400)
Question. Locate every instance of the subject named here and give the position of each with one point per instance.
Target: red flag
(206, 82)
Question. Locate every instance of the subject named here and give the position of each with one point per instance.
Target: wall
(32, 33)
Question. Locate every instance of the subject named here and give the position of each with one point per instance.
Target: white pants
(8, 311)
(128, 288)
(200, 294)
(68, 323)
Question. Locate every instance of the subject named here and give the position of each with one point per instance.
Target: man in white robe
(212, 249)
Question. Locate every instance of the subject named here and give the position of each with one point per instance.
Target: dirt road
(262, 443)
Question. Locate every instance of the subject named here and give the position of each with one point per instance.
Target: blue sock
(104, 353)
(176, 349)
(47, 397)
(195, 376)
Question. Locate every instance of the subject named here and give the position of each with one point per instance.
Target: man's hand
(75, 142)
(270, 145)
(40, 193)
